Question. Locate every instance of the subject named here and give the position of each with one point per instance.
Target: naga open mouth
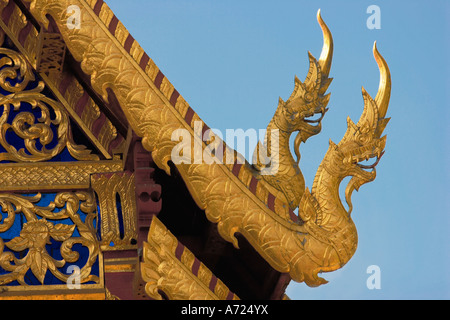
(314, 119)
(369, 167)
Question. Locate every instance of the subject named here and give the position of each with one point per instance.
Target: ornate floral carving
(34, 236)
(39, 229)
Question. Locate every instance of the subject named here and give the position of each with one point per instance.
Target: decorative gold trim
(51, 53)
(70, 110)
(109, 187)
(110, 296)
(27, 126)
(17, 21)
(45, 176)
(120, 265)
(170, 267)
(55, 294)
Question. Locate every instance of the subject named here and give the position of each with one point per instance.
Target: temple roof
(134, 92)
(115, 93)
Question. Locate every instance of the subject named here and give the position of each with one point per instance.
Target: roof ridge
(162, 83)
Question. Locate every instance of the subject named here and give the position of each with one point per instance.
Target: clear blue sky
(231, 60)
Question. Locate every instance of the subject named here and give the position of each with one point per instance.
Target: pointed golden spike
(325, 99)
(313, 78)
(382, 123)
(327, 50)
(384, 89)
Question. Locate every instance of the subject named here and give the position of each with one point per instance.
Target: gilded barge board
(170, 267)
(45, 176)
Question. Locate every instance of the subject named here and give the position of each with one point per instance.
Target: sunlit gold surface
(25, 125)
(36, 233)
(169, 269)
(308, 99)
(321, 238)
(108, 187)
(58, 175)
(325, 240)
(56, 294)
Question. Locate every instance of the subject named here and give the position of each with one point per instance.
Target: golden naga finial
(302, 113)
(363, 140)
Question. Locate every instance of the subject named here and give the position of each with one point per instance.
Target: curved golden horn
(327, 50)
(384, 89)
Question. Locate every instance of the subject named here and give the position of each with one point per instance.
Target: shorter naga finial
(361, 142)
(302, 113)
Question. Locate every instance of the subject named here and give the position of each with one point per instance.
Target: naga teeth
(364, 157)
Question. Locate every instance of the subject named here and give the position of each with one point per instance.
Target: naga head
(362, 142)
(306, 107)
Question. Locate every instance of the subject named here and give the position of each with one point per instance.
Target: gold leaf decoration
(37, 132)
(37, 231)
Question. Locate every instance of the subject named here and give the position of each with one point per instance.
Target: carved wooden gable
(66, 197)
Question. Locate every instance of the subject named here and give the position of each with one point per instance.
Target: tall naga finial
(301, 113)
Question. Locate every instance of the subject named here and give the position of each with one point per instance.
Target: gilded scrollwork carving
(39, 121)
(68, 219)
